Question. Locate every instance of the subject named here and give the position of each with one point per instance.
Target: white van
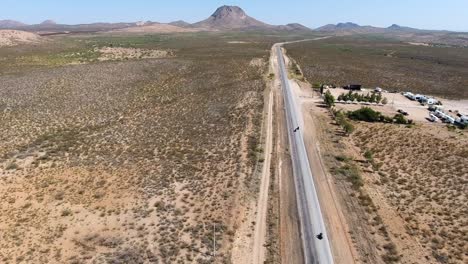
(433, 118)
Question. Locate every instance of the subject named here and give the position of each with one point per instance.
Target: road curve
(310, 215)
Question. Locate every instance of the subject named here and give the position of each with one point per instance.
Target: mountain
(347, 25)
(294, 27)
(48, 22)
(347, 28)
(10, 24)
(231, 17)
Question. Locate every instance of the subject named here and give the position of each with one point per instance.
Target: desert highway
(311, 221)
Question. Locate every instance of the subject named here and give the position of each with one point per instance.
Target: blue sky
(426, 14)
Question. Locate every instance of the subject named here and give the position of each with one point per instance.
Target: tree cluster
(372, 97)
(368, 114)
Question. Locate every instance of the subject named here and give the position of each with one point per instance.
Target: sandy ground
(157, 28)
(419, 44)
(238, 42)
(15, 37)
(417, 112)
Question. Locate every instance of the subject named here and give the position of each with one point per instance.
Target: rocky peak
(231, 12)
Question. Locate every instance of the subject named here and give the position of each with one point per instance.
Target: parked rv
(409, 95)
(419, 97)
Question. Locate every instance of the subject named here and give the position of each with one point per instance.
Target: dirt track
(262, 203)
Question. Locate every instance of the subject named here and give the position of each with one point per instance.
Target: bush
(11, 166)
(352, 174)
(400, 119)
(344, 123)
(348, 127)
(369, 155)
(342, 158)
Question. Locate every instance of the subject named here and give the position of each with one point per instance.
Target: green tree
(329, 99)
(378, 98)
(384, 101)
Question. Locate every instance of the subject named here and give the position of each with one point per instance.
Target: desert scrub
(146, 151)
(351, 172)
(415, 170)
(365, 60)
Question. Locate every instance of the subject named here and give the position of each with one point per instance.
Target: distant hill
(53, 28)
(49, 22)
(398, 32)
(10, 24)
(348, 28)
(294, 27)
(180, 23)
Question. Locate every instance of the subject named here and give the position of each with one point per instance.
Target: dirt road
(258, 249)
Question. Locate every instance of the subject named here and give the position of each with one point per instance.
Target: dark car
(402, 112)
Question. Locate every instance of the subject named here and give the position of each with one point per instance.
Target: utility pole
(214, 240)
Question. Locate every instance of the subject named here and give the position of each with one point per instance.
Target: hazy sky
(426, 14)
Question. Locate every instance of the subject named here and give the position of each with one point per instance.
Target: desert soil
(15, 37)
(157, 28)
(248, 248)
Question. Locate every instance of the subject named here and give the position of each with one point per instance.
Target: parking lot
(396, 101)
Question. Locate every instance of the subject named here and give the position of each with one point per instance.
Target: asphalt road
(311, 220)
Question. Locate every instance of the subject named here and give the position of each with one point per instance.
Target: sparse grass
(381, 62)
(148, 152)
(409, 170)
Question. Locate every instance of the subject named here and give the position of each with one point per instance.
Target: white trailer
(431, 101)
